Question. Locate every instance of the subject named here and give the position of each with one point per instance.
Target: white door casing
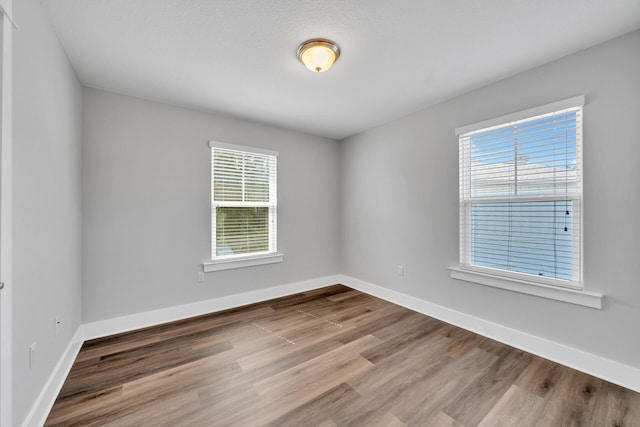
(6, 380)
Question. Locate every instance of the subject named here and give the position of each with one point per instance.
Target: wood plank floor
(329, 357)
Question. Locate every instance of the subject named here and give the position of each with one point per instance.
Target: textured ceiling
(238, 56)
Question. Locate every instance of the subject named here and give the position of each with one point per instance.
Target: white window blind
(243, 201)
(521, 196)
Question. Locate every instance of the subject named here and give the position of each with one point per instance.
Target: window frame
(523, 282)
(271, 255)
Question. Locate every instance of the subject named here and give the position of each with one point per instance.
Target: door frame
(6, 211)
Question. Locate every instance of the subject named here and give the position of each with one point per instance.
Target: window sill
(249, 261)
(573, 296)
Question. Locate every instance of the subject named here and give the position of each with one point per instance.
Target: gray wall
(146, 205)
(47, 216)
(400, 201)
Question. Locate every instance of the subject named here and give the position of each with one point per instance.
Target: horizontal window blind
(521, 195)
(244, 199)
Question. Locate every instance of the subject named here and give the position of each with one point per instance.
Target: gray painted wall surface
(400, 201)
(146, 205)
(47, 216)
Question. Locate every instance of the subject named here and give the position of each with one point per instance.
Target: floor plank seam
(331, 322)
(273, 333)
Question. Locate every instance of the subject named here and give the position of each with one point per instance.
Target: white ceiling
(239, 56)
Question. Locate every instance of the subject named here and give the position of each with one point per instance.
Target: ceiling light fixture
(318, 55)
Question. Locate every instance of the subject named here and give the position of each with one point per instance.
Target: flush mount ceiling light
(318, 55)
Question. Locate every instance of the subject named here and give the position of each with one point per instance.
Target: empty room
(319, 213)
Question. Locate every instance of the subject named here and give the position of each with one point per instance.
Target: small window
(521, 195)
(243, 201)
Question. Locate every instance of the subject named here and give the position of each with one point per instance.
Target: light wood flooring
(329, 357)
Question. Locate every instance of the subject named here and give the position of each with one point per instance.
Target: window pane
(241, 230)
(537, 157)
(257, 178)
(227, 175)
(526, 237)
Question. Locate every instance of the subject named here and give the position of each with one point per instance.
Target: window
(243, 202)
(521, 195)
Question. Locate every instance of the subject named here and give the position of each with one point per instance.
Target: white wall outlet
(32, 355)
(200, 276)
(400, 270)
(56, 325)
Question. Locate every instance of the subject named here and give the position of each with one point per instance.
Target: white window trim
(240, 262)
(250, 260)
(573, 296)
(238, 147)
(554, 289)
(576, 101)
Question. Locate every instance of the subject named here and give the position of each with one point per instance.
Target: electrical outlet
(400, 270)
(56, 325)
(200, 276)
(32, 355)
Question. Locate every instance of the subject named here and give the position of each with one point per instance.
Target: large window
(521, 195)
(243, 201)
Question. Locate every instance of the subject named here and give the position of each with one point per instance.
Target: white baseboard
(117, 325)
(47, 397)
(609, 370)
